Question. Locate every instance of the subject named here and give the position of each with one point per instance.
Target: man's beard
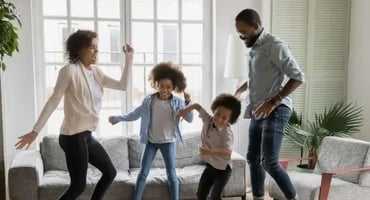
(250, 42)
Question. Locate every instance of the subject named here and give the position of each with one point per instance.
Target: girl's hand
(129, 51)
(187, 96)
(114, 119)
(26, 140)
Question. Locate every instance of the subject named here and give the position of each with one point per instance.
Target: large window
(159, 30)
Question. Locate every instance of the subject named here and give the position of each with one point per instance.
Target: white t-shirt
(96, 91)
(162, 129)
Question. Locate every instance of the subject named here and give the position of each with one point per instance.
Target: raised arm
(189, 108)
(126, 73)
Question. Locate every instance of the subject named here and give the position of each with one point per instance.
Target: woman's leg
(221, 179)
(205, 183)
(146, 163)
(99, 158)
(168, 152)
(75, 149)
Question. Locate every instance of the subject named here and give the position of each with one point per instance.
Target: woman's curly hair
(76, 42)
(168, 70)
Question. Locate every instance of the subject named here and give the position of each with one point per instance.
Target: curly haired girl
(159, 128)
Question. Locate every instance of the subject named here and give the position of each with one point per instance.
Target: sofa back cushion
(187, 152)
(117, 149)
(52, 154)
(54, 158)
(341, 153)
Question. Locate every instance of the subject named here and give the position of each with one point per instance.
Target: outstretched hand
(240, 90)
(114, 119)
(26, 140)
(182, 113)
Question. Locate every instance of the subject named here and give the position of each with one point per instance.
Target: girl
(159, 124)
(217, 143)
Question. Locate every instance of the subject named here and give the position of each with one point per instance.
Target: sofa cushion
(52, 154)
(54, 182)
(189, 179)
(305, 184)
(54, 158)
(117, 149)
(156, 185)
(187, 152)
(348, 153)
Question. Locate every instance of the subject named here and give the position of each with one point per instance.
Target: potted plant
(340, 119)
(8, 30)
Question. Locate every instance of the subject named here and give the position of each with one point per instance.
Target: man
(270, 105)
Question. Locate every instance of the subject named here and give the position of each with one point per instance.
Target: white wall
(224, 20)
(19, 93)
(359, 61)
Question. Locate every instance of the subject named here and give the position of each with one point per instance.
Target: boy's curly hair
(168, 70)
(230, 102)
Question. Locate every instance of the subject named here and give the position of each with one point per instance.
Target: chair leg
(244, 197)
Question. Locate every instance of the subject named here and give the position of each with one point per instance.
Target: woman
(81, 83)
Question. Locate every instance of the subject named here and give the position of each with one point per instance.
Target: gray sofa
(42, 175)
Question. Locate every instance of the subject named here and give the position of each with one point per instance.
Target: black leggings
(215, 179)
(81, 149)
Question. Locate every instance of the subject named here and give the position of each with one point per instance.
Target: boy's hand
(204, 150)
(114, 119)
(181, 113)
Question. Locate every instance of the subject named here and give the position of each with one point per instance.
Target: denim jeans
(168, 153)
(215, 179)
(265, 138)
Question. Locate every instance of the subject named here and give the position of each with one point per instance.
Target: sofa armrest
(328, 175)
(25, 175)
(237, 182)
(285, 161)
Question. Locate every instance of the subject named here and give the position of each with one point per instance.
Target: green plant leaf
(8, 31)
(340, 119)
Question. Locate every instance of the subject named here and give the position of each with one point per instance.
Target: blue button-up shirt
(270, 61)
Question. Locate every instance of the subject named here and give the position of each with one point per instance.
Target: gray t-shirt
(220, 138)
(162, 129)
(270, 61)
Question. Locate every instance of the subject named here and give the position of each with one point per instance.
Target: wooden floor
(249, 197)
